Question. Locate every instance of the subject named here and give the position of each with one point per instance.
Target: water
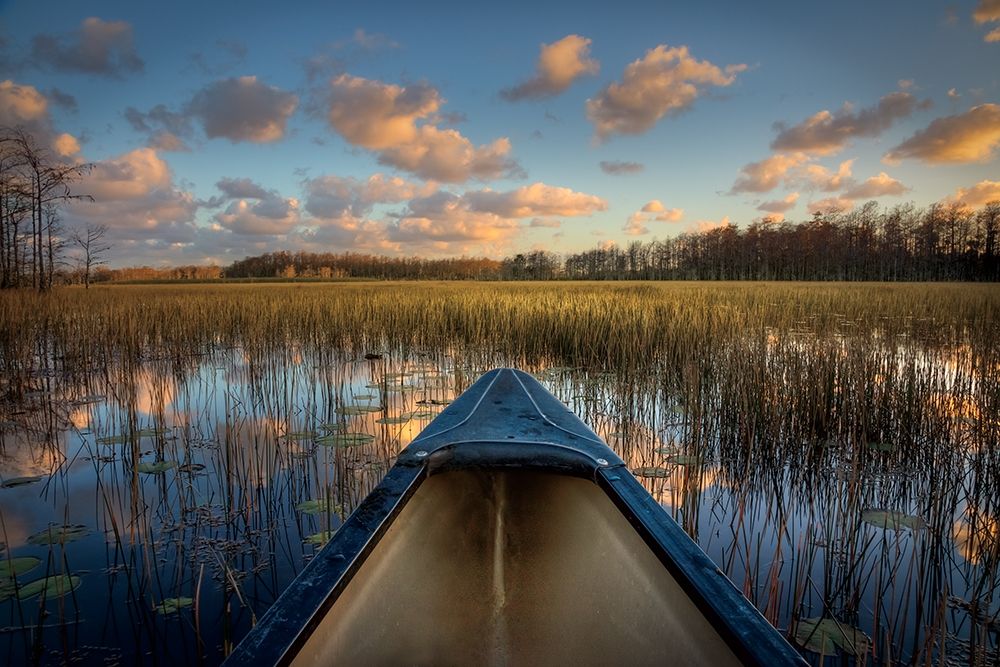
(190, 479)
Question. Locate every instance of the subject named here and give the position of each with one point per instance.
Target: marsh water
(151, 510)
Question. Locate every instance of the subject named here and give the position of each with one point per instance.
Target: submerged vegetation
(172, 456)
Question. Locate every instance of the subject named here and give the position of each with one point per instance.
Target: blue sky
(222, 129)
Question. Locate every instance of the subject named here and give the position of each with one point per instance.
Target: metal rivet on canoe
(421, 454)
(602, 462)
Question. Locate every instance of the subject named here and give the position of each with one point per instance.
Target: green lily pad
(18, 481)
(401, 389)
(156, 467)
(894, 520)
(191, 467)
(683, 459)
(826, 635)
(351, 410)
(150, 432)
(401, 419)
(89, 398)
(320, 538)
(345, 439)
(174, 605)
(653, 472)
(365, 397)
(14, 567)
(300, 435)
(49, 587)
(56, 534)
(119, 439)
(880, 446)
(423, 414)
(319, 506)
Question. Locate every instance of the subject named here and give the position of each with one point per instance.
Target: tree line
(945, 241)
(33, 185)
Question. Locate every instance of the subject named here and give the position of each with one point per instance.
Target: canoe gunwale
(508, 421)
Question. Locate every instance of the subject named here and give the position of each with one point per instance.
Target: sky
(218, 130)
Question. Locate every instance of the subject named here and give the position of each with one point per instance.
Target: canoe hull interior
(495, 566)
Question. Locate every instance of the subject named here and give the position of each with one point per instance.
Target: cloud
(134, 194)
(876, 186)
(953, 94)
(702, 226)
(979, 194)
(618, 168)
(384, 118)
(818, 177)
(537, 199)
(635, 225)
(830, 205)
(24, 105)
(992, 36)
(331, 197)
(559, 64)
(62, 99)
(66, 145)
(243, 109)
(102, 48)
(665, 81)
(670, 215)
(255, 210)
(824, 132)
(987, 11)
(545, 222)
(654, 206)
(164, 129)
(767, 174)
(972, 136)
(780, 206)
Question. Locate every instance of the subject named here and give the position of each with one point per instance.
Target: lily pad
(174, 605)
(396, 376)
(18, 481)
(826, 635)
(423, 414)
(653, 472)
(319, 506)
(683, 459)
(320, 538)
(14, 567)
(894, 520)
(300, 435)
(350, 410)
(151, 432)
(365, 397)
(56, 534)
(49, 587)
(191, 467)
(89, 398)
(880, 446)
(401, 419)
(156, 467)
(345, 439)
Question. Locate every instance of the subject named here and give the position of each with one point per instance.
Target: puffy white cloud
(537, 199)
(617, 167)
(653, 206)
(559, 64)
(972, 136)
(397, 123)
(767, 174)
(243, 109)
(635, 225)
(66, 145)
(818, 177)
(670, 215)
(135, 196)
(876, 186)
(103, 48)
(666, 80)
(333, 196)
(21, 104)
(977, 195)
(780, 206)
(825, 132)
(272, 216)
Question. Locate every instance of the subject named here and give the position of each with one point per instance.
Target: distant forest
(945, 241)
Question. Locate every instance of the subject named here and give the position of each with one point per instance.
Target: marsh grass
(832, 447)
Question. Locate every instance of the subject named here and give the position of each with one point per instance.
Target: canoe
(509, 533)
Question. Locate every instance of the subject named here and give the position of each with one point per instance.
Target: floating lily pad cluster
(173, 605)
(156, 467)
(49, 587)
(320, 538)
(345, 439)
(11, 482)
(826, 635)
(58, 534)
(319, 506)
(893, 520)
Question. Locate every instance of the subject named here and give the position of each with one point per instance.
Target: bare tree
(92, 244)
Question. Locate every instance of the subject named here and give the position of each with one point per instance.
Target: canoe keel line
(509, 533)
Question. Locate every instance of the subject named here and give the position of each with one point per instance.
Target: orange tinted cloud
(979, 194)
(876, 186)
(818, 177)
(780, 206)
(537, 199)
(654, 206)
(767, 174)
(987, 11)
(243, 109)
(972, 136)
(396, 123)
(665, 80)
(559, 64)
(635, 225)
(830, 205)
(20, 104)
(824, 132)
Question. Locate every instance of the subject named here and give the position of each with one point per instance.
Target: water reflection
(217, 478)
